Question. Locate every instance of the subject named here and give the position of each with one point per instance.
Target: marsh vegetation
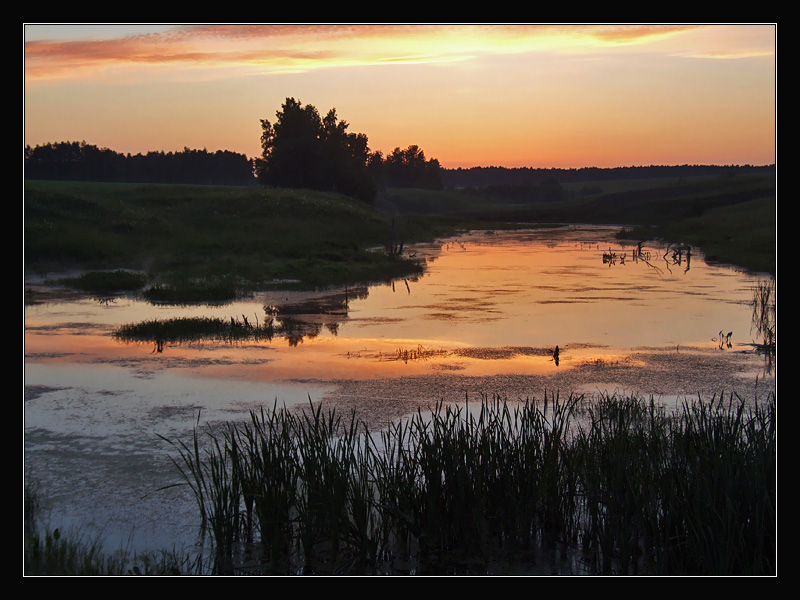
(616, 486)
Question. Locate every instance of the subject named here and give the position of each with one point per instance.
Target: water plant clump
(619, 486)
(186, 329)
(764, 304)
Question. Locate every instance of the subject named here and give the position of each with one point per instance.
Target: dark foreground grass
(619, 486)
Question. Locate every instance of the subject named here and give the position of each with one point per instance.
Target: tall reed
(629, 488)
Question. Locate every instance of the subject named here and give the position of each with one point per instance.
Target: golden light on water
(488, 305)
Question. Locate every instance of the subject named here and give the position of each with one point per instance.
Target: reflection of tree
(295, 330)
(300, 320)
(295, 322)
(407, 286)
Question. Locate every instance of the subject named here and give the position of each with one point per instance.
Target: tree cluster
(481, 177)
(301, 149)
(548, 190)
(79, 161)
(406, 168)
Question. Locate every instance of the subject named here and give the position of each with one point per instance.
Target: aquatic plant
(619, 486)
(764, 304)
(187, 329)
(106, 281)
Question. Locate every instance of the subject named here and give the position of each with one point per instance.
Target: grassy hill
(218, 241)
(191, 242)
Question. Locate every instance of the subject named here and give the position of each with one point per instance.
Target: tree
(409, 168)
(79, 161)
(302, 150)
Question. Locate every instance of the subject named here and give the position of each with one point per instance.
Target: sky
(512, 95)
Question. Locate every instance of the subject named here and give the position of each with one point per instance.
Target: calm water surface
(483, 319)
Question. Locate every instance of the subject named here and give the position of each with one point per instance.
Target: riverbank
(189, 243)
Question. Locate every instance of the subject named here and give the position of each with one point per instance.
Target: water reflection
(511, 313)
(532, 290)
(306, 319)
(677, 255)
(295, 323)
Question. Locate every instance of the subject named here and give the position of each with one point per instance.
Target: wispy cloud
(300, 47)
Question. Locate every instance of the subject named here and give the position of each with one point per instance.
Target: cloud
(283, 47)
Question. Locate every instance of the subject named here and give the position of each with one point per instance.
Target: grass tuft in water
(106, 282)
(188, 329)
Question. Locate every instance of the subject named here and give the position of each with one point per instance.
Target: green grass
(620, 486)
(186, 329)
(192, 243)
(741, 234)
(191, 240)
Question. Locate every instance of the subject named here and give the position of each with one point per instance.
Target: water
(483, 320)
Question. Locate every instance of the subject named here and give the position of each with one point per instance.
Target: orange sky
(469, 95)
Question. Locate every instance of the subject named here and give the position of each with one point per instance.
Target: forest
(79, 161)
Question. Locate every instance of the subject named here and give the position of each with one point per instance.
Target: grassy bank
(621, 486)
(742, 234)
(732, 219)
(210, 242)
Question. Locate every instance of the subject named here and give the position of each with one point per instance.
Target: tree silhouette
(407, 168)
(302, 150)
(79, 161)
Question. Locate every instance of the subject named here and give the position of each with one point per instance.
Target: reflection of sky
(481, 291)
(543, 296)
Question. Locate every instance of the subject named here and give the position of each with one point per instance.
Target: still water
(484, 319)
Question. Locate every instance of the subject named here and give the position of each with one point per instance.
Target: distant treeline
(482, 177)
(79, 161)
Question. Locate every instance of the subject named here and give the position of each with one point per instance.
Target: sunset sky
(509, 95)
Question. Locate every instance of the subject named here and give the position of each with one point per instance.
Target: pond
(483, 320)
